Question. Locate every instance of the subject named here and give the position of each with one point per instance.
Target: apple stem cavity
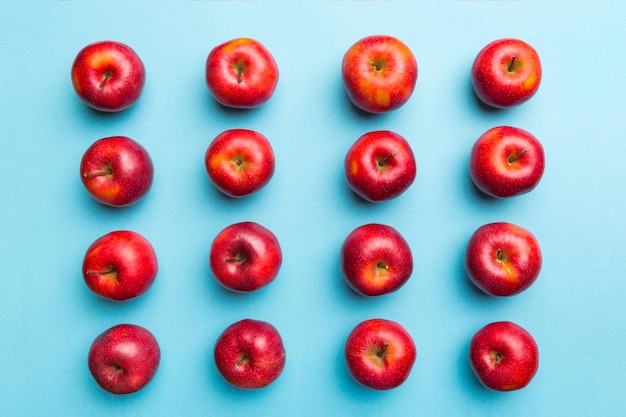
(512, 158)
(244, 359)
(116, 369)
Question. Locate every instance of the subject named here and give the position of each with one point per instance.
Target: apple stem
(498, 358)
(239, 257)
(382, 162)
(240, 71)
(511, 64)
(106, 77)
(382, 351)
(515, 157)
(377, 65)
(98, 173)
(106, 271)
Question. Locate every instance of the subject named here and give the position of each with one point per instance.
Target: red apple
(379, 73)
(120, 265)
(245, 257)
(502, 259)
(380, 354)
(504, 356)
(117, 171)
(124, 358)
(108, 76)
(239, 162)
(250, 354)
(376, 260)
(241, 73)
(506, 73)
(506, 162)
(380, 166)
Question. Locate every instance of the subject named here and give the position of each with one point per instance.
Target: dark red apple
(245, 257)
(380, 354)
(506, 73)
(124, 358)
(239, 162)
(117, 171)
(250, 354)
(120, 265)
(379, 73)
(108, 76)
(506, 162)
(376, 259)
(380, 166)
(241, 73)
(503, 259)
(504, 356)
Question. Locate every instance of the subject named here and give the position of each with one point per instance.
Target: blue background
(575, 310)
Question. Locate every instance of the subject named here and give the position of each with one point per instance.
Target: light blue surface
(575, 310)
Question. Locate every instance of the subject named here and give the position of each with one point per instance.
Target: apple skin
(504, 356)
(379, 73)
(117, 171)
(376, 260)
(380, 354)
(250, 354)
(124, 358)
(120, 265)
(506, 161)
(380, 166)
(108, 76)
(241, 73)
(506, 73)
(239, 162)
(502, 259)
(245, 257)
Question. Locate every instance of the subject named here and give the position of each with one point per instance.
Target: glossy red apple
(379, 73)
(124, 358)
(506, 162)
(120, 265)
(380, 166)
(250, 354)
(504, 356)
(376, 259)
(502, 259)
(117, 171)
(108, 76)
(241, 73)
(245, 257)
(239, 162)
(507, 72)
(380, 354)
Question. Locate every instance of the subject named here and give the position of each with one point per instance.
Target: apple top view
(241, 73)
(108, 76)
(506, 73)
(269, 208)
(379, 73)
